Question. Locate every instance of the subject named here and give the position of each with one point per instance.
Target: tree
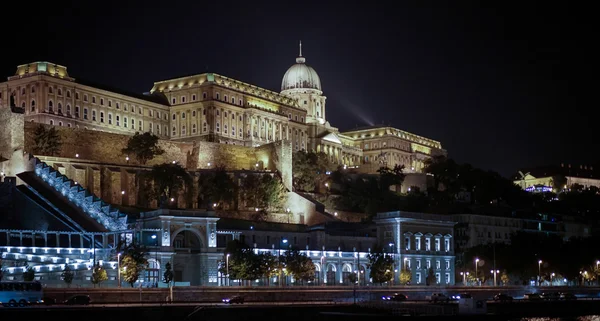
(168, 275)
(390, 177)
(168, 178)
(504, 278)
(299, 265)
(46, 141)
(216, 187)
(134, 261)
(243, 263)
(352, 277)
(67, 275)
(310, 170)
(29, 274)
(405, 276)
(381, 265)
(559, 182)
(99, 275)
(143, 147)
(263, 191)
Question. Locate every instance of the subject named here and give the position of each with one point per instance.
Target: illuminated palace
(215, 108)
(69, 210)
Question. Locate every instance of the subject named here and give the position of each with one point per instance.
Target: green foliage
(405, 276)
(244, 264)
(143, 147)
(299, 265)
(381, 265)
(133, 261)
(263, 191)
(310, 170)
(504, 278)
(389, 177)
(67, 275)
(216, 186)
(47, 142)
(99, 274)
(167, 179)
(168, 275)
(558, 183)
(29, 274)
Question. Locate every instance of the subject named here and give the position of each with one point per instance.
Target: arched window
(59, 92)
(50, 106)
(33, 89)
(23, 105)
(60, 108)
(33, 105)
(51, 122)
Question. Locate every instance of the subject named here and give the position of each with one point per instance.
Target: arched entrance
(346, 271)
(331, 269)
(187, 246)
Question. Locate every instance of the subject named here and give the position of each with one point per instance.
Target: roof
(157, 98)
(225, 223)
(583, 171)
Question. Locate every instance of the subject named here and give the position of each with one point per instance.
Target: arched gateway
(187, 240)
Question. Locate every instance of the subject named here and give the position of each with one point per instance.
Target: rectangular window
(140, 125)
(125, 122)
(428, 264)
(85, 113)
(118, 119)
(407, 242)
(417, 243)
(447, 265)
(447, 278)
(418, 264)
(93, 115)
(437, 244)
(447, 245)
(427, 244)
(101, 116)
(437, 278)
(438, 265)
(132, 123)
(76, 111)
(110, 119)
(418, 277)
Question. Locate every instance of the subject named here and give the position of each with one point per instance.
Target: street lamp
(476, 275)
(156, 258)
(119, 268)
(464, 275)
(495, 273)
(284, 241)
(227, 267)
(539, 272)
(551, 277)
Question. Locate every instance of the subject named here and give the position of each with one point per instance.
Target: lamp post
(227, 267)
(464, 275)
(539, 272)
(476, 274)
(284, 241)
(119, 268)
(495, 272)
(391, 244)
(551, 278)
(156, 259)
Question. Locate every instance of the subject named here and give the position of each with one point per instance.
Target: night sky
(501, 87)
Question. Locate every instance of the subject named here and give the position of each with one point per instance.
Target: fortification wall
(11, 142)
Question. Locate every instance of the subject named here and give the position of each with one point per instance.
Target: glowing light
(76, 155)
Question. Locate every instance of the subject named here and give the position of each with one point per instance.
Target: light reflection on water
(581, 318)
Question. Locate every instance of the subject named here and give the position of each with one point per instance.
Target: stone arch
(201, 238)
(330, 273)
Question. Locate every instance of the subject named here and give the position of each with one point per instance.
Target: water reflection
(581, 318)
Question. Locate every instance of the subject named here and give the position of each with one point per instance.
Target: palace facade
(215, 108)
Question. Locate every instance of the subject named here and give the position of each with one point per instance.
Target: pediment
(331, 137)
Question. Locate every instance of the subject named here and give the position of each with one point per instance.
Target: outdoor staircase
(72, 199)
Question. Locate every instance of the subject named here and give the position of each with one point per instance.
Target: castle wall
(11, 142)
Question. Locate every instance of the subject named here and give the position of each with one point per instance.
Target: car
(78, 300)
(567, 296)
(438, 297)
(395, 297)
(532, 297)
(503, 297)
(48, 300)
(550, 296)
(234, 299)
(459, 296)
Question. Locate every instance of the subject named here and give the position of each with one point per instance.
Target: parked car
(78, 300)
(395, 297)
(550, 296)
(234, 299)
(503, 297)
(567, 296)
(532, 297)
(438, 297)
(459, 296)
(48, 300)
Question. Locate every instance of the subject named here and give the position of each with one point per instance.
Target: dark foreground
(508, 312)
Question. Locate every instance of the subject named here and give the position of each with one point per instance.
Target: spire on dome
(300, 59)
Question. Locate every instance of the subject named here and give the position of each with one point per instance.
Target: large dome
(300, 76)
